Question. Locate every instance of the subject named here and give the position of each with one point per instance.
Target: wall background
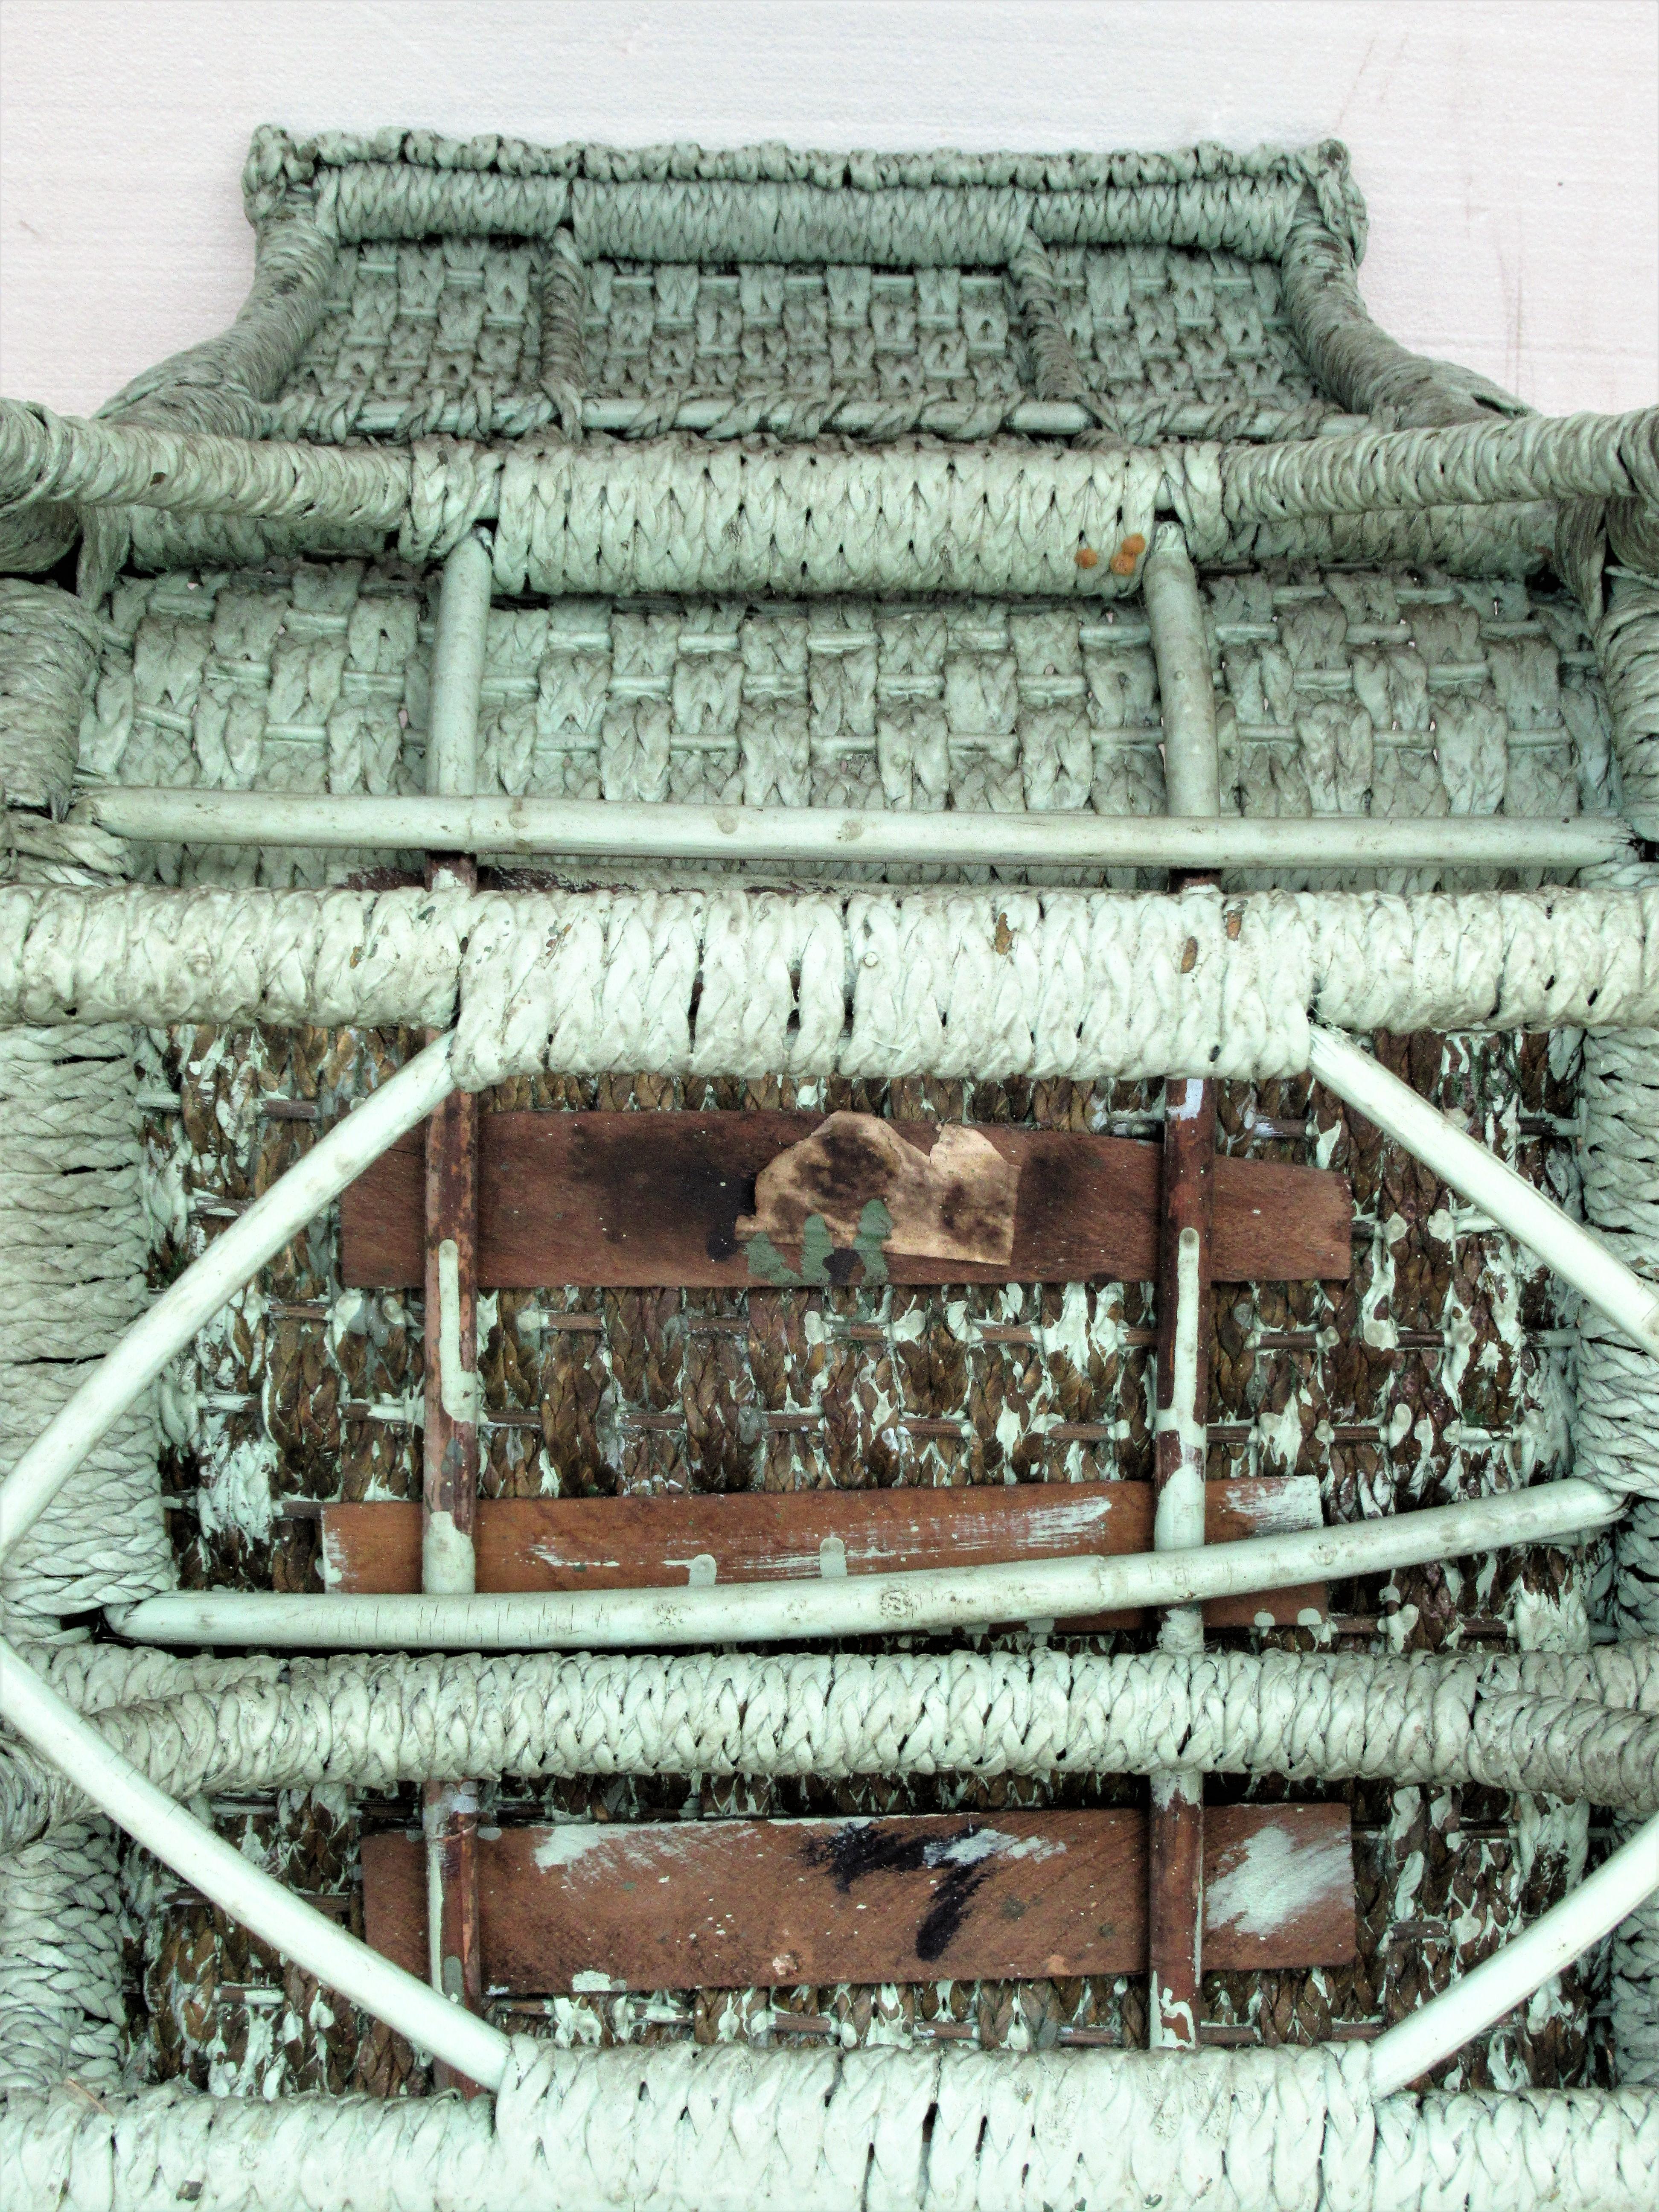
(1509, 149)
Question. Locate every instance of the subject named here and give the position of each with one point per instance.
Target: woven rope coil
(975, 983)
(77, 1249)
(678, 2127)
(1582, 1727)
(49, 645)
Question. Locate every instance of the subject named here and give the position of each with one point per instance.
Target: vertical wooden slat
(450, 1486)
(1175, 1860)
(449, 1497)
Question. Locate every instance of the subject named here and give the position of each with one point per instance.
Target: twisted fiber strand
(1616, 1428)
(394, 200)
(719, 221)
(586, 975)
(907, 518)
(1359, 364)
(970, 982)
(456, 485)
(48, 457)
(1008, 517)
(898, 226)
(719, 2129)
(1535, 456)
(49, 649)
(1574, 1726)
(1627, 647)
(277, 162)
(606, 517)
(154, 542)
(562, 366)
(784, 410)
(1059, 372)
(61, 2003)
(1616, 1431)
(36, 537)
(1633, 536)
(806, 410)
(223, 384)
(72, 1223)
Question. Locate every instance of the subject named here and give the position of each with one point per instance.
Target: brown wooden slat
(651, 1201)
(724, 1903)
(1176, 1836)
(631, 1543)
(449, 1497)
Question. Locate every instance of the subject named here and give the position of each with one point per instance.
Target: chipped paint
(448, 1563)
(1184, 1099)
(986, 1844)
(1170, 2022)
(572, 1841)
(1273, 1878)
(457, 1383)
(1280, 1507)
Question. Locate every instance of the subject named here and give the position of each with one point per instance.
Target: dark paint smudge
(869, 1848)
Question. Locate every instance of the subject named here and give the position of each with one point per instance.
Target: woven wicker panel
(445, 335)
(1435, 1373)
(1337, 691)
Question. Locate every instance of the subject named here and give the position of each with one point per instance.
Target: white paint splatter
(1275, 1877)
(570, 1843)
(1285, 1505)
(447, 1563)
(990, 1843)
(240, 1493)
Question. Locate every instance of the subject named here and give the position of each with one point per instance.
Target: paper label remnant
(955, 1202)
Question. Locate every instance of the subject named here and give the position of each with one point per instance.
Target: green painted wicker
(812, 480)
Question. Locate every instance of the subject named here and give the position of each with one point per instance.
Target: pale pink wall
(1507, 148)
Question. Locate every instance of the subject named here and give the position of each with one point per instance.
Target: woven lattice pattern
(1339, 693)
(449, 336)
(1435, 1373)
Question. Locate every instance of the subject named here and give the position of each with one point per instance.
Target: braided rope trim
(1510, 541)
(679, 2128)
(671, 514)
(62, 2007)
(803, 411)
(1580, 1727)
(49, 649)
(991, 983)
(1627, 645)
(1202, 194)
(1616, 1424)
(71, 1219)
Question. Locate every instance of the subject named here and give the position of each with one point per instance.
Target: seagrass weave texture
(826, 480)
